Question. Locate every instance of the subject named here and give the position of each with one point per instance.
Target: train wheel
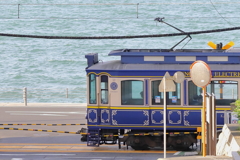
(144, 147)
(138, 143)
(84, 138)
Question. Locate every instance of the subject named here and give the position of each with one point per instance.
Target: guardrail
(48, 95)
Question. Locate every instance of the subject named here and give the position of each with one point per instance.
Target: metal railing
(48, 95)
(138, 7)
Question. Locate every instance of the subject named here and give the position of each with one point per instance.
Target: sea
(53, 70)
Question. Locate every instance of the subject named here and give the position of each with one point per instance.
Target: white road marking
(98, 158)
(176, 153)
(29, 114)
(41, 134)
(16, 159)
(42, 113)
(45, 112)
(37, 154)
(191, 153)
(182, 153)
(91, 158)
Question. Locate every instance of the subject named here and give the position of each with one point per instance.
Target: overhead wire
(220, 14)
(120, 37)
(110, 18)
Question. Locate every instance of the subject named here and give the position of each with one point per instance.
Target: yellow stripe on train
(150, 108)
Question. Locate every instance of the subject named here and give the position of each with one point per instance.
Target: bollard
(18, 10)
(25, 96)
(137, 9)
(66, 92)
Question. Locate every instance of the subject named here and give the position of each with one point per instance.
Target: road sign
(169, 84)
(201, 76)
(178, 77)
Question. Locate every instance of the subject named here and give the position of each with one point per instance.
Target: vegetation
(237, 109)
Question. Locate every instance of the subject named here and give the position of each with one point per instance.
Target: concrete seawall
(43, 104)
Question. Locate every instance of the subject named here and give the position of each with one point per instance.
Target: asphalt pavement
(65, 113)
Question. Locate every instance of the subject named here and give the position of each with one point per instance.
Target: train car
(125, 106)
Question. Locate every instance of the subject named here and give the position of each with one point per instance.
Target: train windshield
(92, 89)
(225, 92)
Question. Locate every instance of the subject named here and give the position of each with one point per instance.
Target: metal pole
(164, 117)
(25, 96)
(207, 126)
(204, 122)
(221, 91)
(214, 135)
(226, 119)
(209, 131)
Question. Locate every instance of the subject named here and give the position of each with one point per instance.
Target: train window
(132, 92)
(92, 89)
(224, 91)
(173, 98)
(194, 94)
(104, 89)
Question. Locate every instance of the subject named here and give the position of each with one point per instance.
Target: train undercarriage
(139, 139)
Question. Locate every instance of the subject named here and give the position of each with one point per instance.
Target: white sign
(234, 118)
(157, 99)
(169, 84)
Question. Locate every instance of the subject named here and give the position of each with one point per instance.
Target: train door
(98, 90)
(103, 97)
(92, 108)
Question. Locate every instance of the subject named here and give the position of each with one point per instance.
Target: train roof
(120, 52)
(184, 56)
(168, 56)
(123, 52)
(116, 65)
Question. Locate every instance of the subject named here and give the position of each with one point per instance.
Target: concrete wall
(227, 143)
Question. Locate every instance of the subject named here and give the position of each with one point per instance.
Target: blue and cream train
(124, 98)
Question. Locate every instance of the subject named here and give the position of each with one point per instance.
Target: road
(26, 145)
